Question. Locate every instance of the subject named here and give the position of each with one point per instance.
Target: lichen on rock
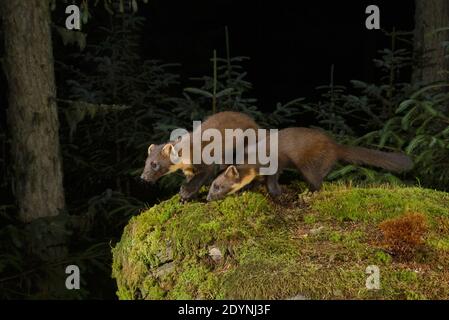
(313, 247)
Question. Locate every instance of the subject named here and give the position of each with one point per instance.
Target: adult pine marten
(159, 162)
(313, 154)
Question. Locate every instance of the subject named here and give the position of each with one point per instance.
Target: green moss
(439, 243)
(309, 219)
(271, 251)
(195, 282)
(380, 203)
(381, 258)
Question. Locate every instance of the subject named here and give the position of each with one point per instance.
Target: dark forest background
(78, 109)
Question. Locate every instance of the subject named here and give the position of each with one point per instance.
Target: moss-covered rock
(318, 246)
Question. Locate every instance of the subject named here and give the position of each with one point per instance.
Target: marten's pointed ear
(167, 149)
(150, 148)
(232, 172)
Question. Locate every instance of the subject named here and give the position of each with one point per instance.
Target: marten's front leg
(189, 190)
(274, 189)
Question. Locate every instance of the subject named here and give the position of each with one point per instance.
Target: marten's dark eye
(154, 166)
(216, 187)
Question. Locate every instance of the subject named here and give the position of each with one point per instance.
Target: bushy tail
(392, 161)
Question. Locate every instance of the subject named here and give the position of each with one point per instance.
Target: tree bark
(430, 16)
(32, 113)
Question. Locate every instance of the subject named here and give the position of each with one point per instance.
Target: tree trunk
(32, 113)
(430, 17)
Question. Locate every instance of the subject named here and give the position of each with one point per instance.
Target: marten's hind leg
(312, 178)
(315, 173)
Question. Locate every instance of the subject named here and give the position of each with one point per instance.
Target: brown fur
(246, 178)
(196, 174)
(230, 181)
(314, 154)
(222, 121)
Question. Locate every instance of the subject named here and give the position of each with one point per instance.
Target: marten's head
(224, 184)
(158, 162)
(230, 181)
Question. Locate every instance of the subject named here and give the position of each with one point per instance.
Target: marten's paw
(275, 192)
(186, 195)
(276, 195)
(185, 198)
